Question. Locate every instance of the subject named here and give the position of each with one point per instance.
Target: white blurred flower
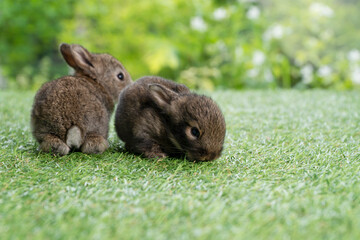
(320, 9)
(219, 14)
(258, 58)
(324, 71)
(269, 77)
(276, 31)
(221, 46)
(197, 23)
(253, 13)
(354, 55)
(307, 73)
(254, 72)
(355, 75)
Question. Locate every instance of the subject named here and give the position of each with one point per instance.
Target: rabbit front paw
(155, 152)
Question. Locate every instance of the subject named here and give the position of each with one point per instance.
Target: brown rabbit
(158, 118)
(73, 112)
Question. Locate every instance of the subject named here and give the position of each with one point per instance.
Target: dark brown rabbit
(73, 112)
(158, 118)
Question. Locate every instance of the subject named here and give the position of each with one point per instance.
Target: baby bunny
(159, 118)
(73, 112)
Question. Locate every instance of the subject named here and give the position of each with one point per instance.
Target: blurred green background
(205, 44)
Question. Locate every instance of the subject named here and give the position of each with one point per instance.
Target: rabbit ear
(161, 95)
(79, 58)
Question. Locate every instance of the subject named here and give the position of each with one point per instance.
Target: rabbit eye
(195, 132)
(120, 76)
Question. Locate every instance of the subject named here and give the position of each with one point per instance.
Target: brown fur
(155, 116)
(73, 112)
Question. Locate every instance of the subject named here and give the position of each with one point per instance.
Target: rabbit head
(195, 124)
(102, 68)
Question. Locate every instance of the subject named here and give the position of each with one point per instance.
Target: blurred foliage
(319, 39)
(28, 40)
(202, 43)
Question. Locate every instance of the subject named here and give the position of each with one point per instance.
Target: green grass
(290, 170)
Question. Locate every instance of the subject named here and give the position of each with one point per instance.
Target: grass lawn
(290, 170)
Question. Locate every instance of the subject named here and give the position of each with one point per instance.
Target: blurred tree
(175, 39)
(28, 39)
(202, 43)
(316, 37)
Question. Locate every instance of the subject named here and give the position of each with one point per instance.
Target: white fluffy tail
(73, 137)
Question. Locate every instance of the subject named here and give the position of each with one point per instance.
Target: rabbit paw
(53, 144)
(155, 152)
(94, 144)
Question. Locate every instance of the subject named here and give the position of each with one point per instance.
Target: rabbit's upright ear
(161, 95)
(79, 58)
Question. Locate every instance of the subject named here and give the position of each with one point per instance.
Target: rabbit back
(158, 118)
(70, 101)
(136, 118)
(73, 112)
